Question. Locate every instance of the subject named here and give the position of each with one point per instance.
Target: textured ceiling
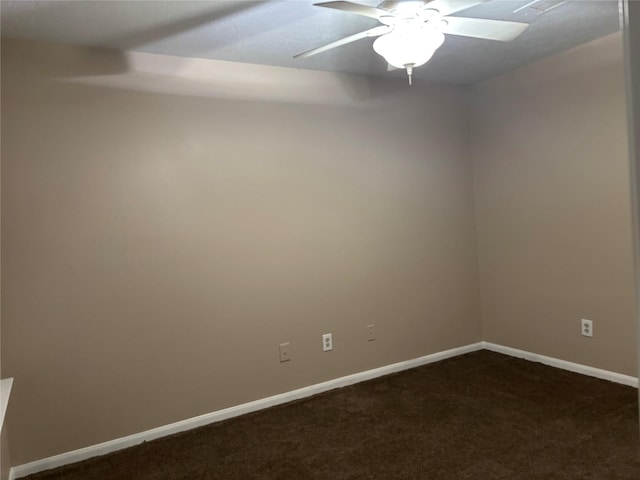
(271, 32)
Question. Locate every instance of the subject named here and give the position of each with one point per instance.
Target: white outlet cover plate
(327, 342)
(587, 327)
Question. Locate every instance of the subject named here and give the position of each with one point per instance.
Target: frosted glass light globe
(409, 45)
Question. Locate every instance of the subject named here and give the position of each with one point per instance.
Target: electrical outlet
(586, 327)
(285, 352)
(327, 342)
(371, 334)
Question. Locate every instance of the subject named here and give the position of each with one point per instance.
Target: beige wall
(552, 199)
(5, 459)
(157, 248)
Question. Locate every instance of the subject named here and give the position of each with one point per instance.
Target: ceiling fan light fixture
(412, 30)
(409, 46)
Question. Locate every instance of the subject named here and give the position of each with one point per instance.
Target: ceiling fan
(412, 30)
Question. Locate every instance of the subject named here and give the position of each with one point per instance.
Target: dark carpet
(477, 416)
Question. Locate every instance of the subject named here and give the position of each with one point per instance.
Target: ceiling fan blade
(372, 32)
(484, 28)
(447, 7)
(356, 8)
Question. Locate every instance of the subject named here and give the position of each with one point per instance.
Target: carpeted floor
(479, 416)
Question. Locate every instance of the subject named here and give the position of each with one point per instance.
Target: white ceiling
(271, 32)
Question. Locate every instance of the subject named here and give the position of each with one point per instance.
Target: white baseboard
(188, 424)
(563, 364)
